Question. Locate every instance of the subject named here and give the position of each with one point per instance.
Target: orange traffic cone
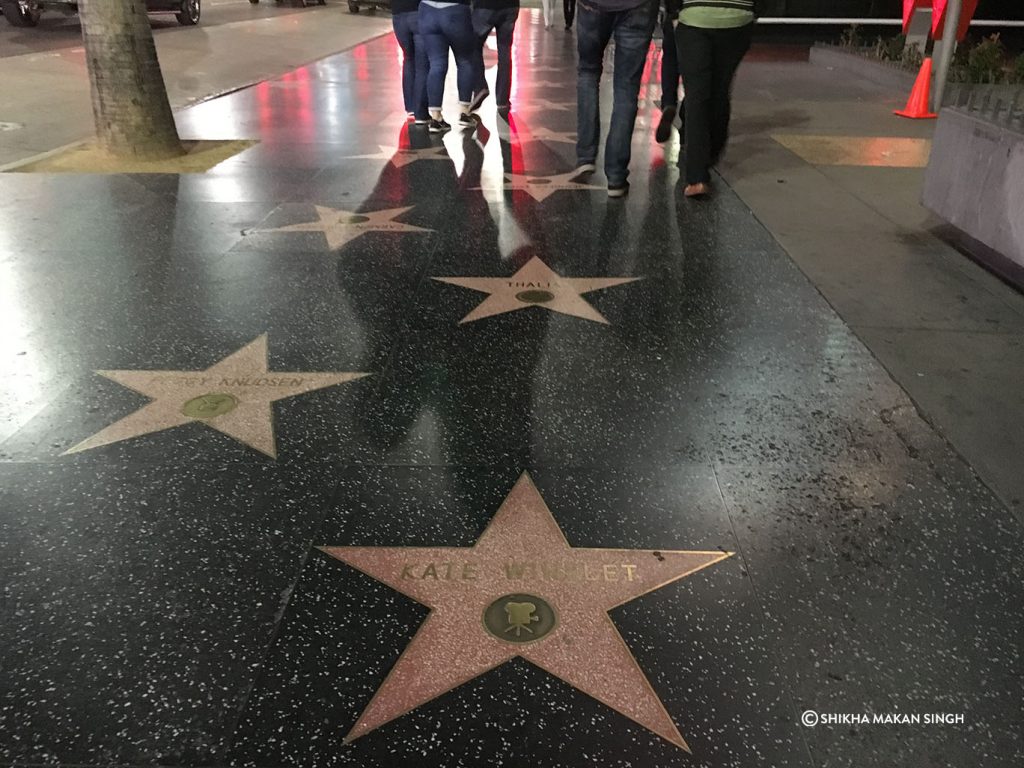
(917, 104)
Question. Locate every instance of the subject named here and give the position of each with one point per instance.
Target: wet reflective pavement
(619, 488)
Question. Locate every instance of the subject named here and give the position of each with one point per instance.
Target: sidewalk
(949, 332)
(377, 448)
(48, 93)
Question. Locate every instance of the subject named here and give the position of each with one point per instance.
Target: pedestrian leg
(695, 62)
(633, 32)
(592, 38)
(505, 34)
(404, 25)
(547, 7)
(731, 45)
(463, 42)
(569, 12)
(669, 81)
(436, 44)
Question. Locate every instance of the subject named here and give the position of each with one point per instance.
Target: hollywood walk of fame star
(521, 591)
(232, 396)
(540, 188)
(545, 68)
(546, 135)
(555, 106)
(403, 156)
(546, 84)
(535, 284)
(340, 226)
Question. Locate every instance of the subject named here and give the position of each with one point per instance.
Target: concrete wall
(975, 181)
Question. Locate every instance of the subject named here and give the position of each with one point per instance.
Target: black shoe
(438, 126)
(478, 98)
(618, 190)
(582, 168)
(467, 120)
(664, 129)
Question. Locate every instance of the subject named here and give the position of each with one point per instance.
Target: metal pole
(953, 11)
(868, 22)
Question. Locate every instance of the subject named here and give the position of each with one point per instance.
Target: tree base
(90, 157)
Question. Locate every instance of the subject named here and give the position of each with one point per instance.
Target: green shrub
(978, 61)
(959, 72)
(889, 48)
(897, 46)
(912, 57)
(1017, 72)
(851, 37)
(985, 61)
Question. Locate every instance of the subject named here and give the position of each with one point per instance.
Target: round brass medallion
(535, 296)
(520, 618)
(209, 406)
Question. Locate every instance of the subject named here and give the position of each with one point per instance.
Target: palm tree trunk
(129, 100)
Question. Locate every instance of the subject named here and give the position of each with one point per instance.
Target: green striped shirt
(717, 14)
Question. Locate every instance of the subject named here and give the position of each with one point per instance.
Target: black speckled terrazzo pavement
(164, 601)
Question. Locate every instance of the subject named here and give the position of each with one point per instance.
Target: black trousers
(669, 65)
(708, 60)
(569, 11)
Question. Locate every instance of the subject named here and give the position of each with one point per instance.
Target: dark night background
(988, 9)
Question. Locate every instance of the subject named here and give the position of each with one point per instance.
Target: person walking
(404, 21)
(568, 12)
(631, 24)
(712, 37)
(669, 72)
(500, 16)
(548, 9)
(448, 26)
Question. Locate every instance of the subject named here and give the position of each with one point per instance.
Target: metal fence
(1001, 105)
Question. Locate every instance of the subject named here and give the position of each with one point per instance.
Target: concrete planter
(881, 72)
(975, 181)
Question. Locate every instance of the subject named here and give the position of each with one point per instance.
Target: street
(56, 31)
(44, 94)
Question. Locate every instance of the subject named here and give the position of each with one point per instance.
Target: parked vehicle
(370, 5)
(299, 3)
(26, 13)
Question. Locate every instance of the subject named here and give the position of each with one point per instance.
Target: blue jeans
(414, 63)
(441, 29)
(632, 31)
(503, 22)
